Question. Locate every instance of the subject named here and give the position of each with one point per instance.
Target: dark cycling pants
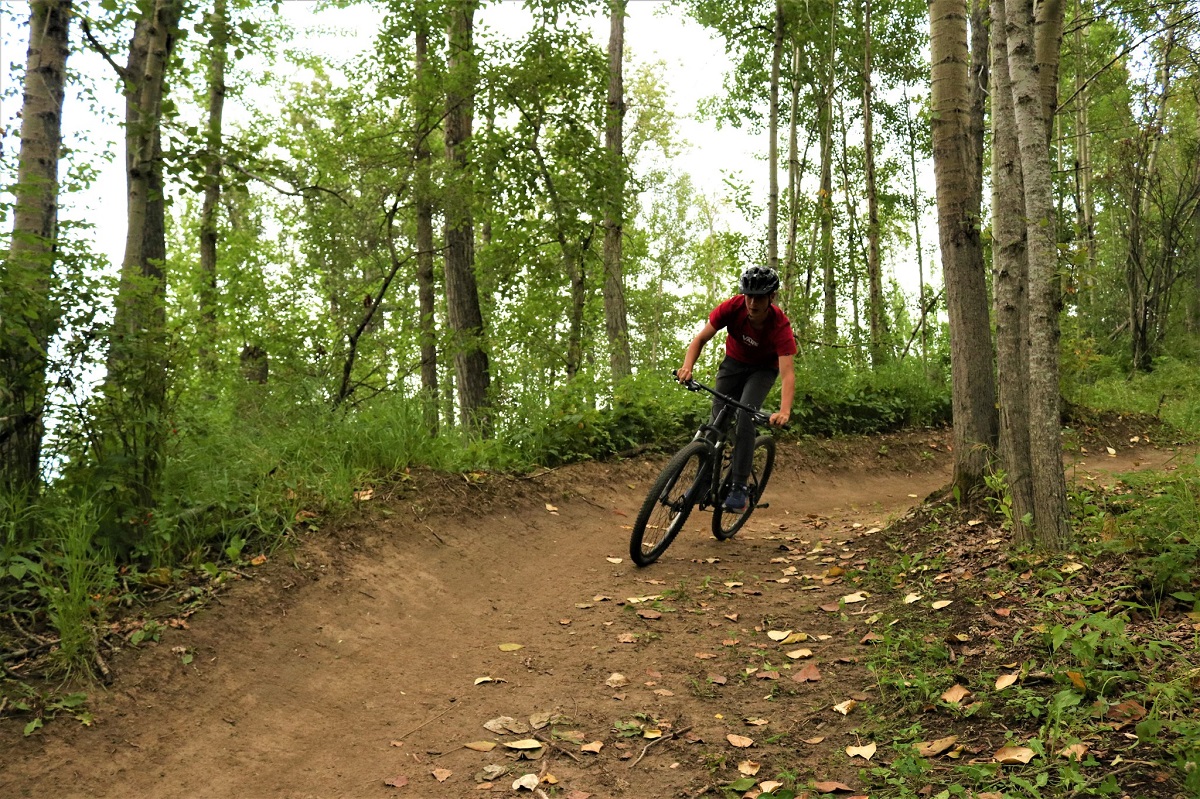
(748, 384)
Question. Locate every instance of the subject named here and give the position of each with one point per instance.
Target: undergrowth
(1085, 667)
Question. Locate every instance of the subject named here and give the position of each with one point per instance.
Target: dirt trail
(356, 663)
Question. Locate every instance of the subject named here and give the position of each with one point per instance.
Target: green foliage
(1171, 392)
(832, 398)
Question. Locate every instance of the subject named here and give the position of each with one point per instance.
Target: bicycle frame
(716, 434)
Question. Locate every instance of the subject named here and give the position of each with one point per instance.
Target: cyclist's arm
(693, 352)
(787, 390)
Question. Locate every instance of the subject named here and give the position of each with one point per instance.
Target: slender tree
(135, 385)
(423, 198)
(615, 322)
(218, 22)
(874, 267)
(1010, 282)
(29, 313)
(462, 294)
(1029, 58)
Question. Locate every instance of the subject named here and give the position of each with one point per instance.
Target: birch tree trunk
(1010, 285)
(462, 293)
(615, 321)
(29, 314)
(793, 191)
(973, 393)
(136, 382)
(1033, 117)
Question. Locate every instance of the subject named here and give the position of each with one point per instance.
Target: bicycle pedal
(763, 505)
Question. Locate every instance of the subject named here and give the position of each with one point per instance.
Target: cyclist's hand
(683, 374)
(780, 419)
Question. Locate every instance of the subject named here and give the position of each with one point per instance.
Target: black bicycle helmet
(759, 280)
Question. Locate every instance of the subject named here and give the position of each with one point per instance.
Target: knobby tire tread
(666, 479)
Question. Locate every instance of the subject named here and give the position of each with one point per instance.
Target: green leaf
(744, 784)
(32, 727)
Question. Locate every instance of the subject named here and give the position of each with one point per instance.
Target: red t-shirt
(748, 345)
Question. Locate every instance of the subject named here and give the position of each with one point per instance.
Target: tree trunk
(136, 382)
(29, 314)
(1085, 203)
(422, 101)
(462, 294)
(795, 171)
(1033, 119)
(874, 268)
(615, 321)
(1010, 282)
(915, 202)
(218, 46)
(829, 280)
(773, 142)
(972, 384)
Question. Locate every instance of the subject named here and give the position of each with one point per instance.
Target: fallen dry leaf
(593, 748)
(1074, 751)
(757, 722)
(749, 767)
(814, 741)
(627, 638)
(613, 560)
(441, 774)
(857, 596)
(717, 679)
(911, 598)
(794, 638)
(647, 613)
(778, 635)
(1005, 680)
(528, 782)
(797, 654)
(399, 781)
(769, 786)
(616, 680)
(551, 508)
(941, 603)
(935, 748)
(481, 746)
(810, 673)
(739, 741)
(524, 743)
(1014, 755)
(865, 752)
(831, 786)
(705, 655)
(511, 647)
(955, 694)
(505, 724)
(845, 708)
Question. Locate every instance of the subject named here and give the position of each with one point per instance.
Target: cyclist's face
(757, 305)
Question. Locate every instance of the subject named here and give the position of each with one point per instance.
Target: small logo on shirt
(749, 340)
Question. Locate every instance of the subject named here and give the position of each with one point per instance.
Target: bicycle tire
(668, 503)
(726, 524)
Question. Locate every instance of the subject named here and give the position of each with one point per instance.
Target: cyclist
(759, 346)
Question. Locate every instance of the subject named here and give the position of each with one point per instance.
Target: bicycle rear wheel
(726, 523)
(668, 504)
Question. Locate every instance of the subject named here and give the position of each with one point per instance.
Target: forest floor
(367, 660)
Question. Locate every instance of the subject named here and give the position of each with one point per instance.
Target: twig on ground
(552, 744)
(646, 748)
(425, 723)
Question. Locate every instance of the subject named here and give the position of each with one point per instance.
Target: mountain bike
(699, 475)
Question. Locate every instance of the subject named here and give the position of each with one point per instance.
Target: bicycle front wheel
(726, 523)
(668, 504)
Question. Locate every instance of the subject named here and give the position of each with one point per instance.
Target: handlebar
(759, 417)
